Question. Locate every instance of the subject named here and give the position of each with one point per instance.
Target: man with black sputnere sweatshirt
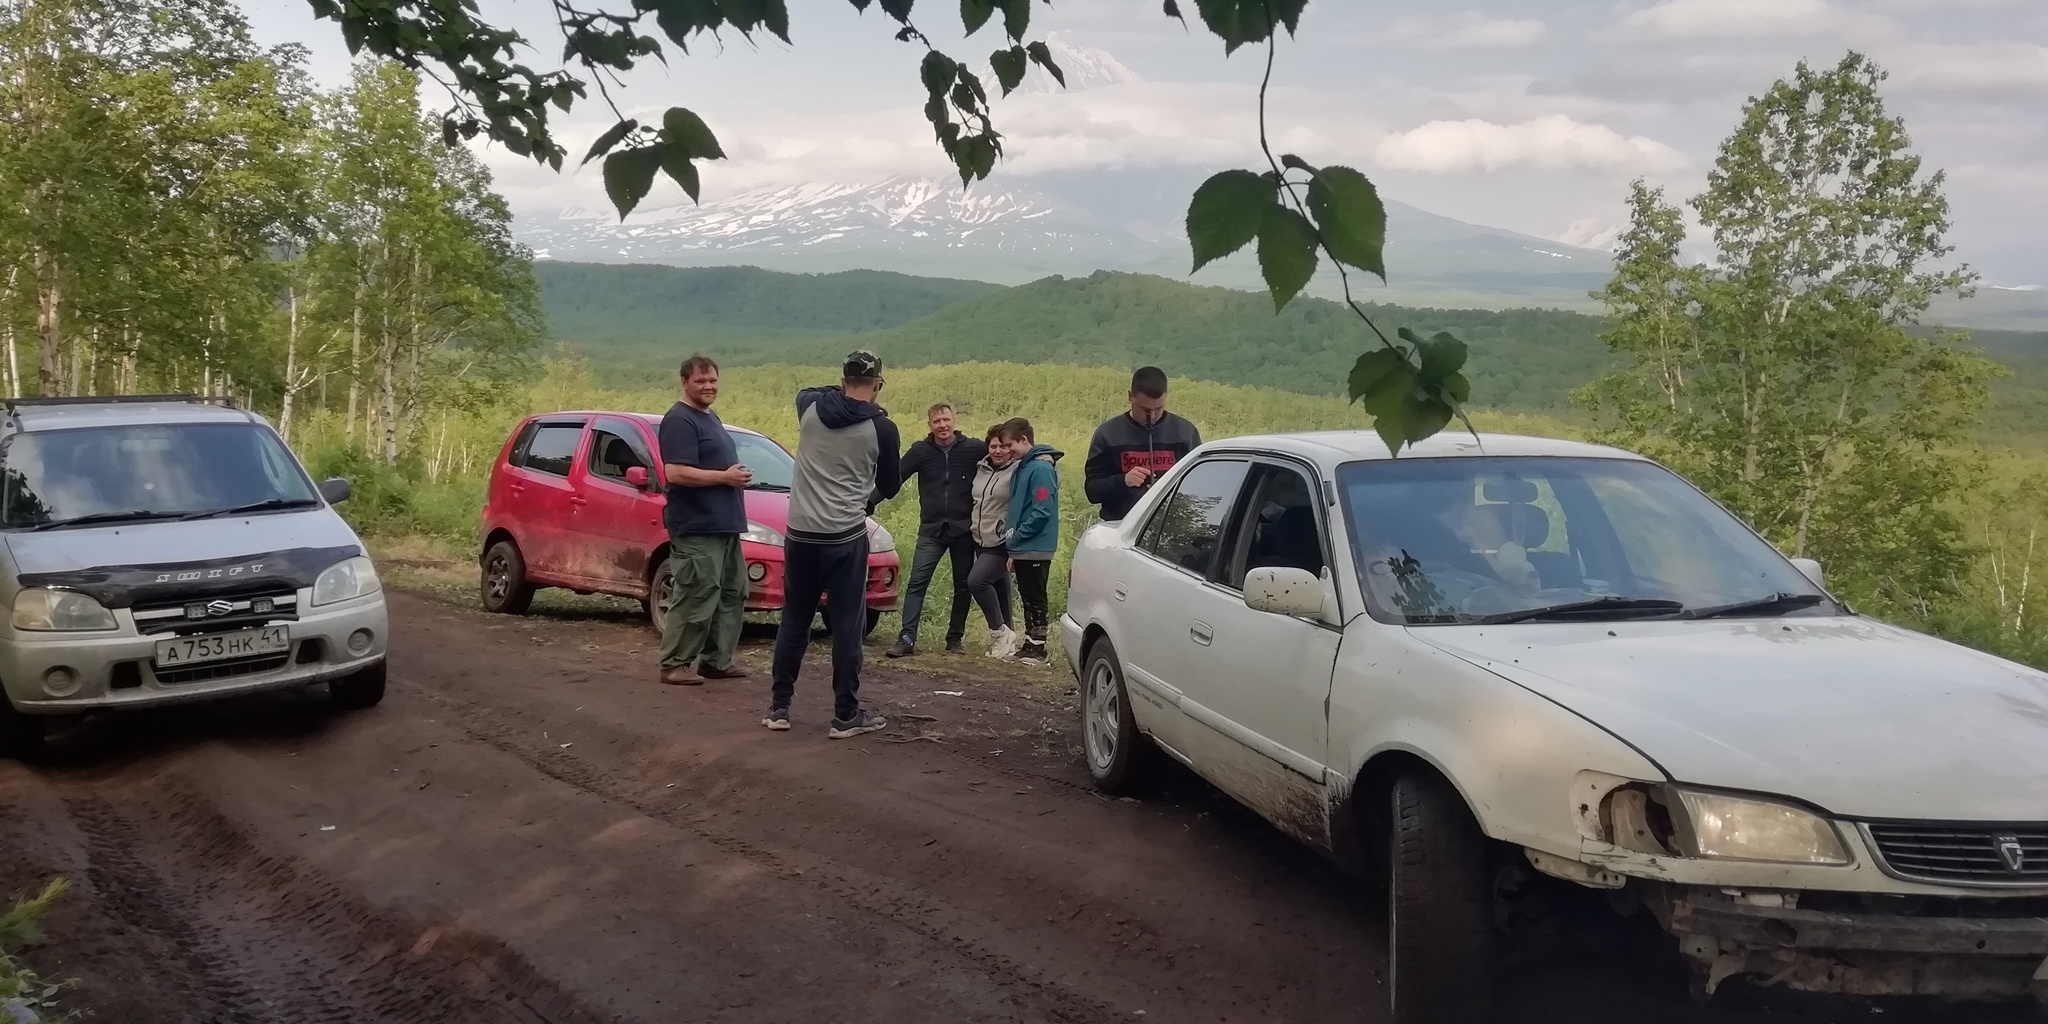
(1136, 447)
(943, 465)
(847, 462)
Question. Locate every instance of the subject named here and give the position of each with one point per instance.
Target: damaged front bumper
(1854, 944)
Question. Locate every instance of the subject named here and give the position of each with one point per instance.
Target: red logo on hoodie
(1156, 460)
(1042, 493)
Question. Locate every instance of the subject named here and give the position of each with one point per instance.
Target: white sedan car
(1526, 654)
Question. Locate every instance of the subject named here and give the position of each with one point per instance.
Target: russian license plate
(246, 643)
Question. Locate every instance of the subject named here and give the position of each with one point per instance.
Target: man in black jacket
(1137, 447)
(943, 464)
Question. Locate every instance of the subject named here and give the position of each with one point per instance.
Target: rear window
(553, 447)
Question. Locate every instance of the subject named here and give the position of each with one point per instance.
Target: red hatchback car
(571, 505)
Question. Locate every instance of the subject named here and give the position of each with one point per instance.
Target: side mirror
(637, 476)
(335, 491)
(1284, 591)
(1811, 569)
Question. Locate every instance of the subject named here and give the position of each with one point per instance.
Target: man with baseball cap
(846, 463)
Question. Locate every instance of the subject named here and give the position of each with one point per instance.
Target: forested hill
(635, 321)
(1520, 358)
(644, 313)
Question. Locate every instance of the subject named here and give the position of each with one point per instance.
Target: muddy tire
(364, 689)
(504, 587)
(1439, 906)
(1121, 760)
(21, 736)
(661, 592)
(822, 625)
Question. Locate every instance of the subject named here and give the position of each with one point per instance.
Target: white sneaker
(1002, 642)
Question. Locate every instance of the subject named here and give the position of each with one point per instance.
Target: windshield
(1493, 540)
(109, 474)
(773, 469)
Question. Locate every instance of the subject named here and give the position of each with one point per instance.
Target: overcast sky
(1531, 116)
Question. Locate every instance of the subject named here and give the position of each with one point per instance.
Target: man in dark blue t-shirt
(707, 512)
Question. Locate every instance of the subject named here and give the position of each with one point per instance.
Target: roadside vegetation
(25, 996)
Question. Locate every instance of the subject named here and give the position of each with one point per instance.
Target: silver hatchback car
(163, 549)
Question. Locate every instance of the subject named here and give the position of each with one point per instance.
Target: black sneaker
(862, 721)
(903, 649)
(956, 646)
(777, 719)
(1034, 654)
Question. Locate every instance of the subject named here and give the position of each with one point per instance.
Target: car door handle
(1121, 593)
(578, 499)
(1201, 634)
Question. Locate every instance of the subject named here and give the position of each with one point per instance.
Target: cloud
(1740, 19)
(1468, 30)
(1555, 142)
(1972, 68)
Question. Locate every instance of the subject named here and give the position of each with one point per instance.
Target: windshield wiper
(254, 506)
(1776, 604)
(778, 488)
(1598, 607)
(123, 515)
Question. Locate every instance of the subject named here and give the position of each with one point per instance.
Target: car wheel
(21, 736)
(1120, 758)
(364, 689)
(661, 594)
(505, 589)
(1439, 906)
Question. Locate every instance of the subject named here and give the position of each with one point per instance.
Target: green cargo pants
(710, 595)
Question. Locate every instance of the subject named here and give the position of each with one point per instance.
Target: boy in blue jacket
(1034, 530)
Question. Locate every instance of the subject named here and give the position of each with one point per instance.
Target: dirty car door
(614, 525)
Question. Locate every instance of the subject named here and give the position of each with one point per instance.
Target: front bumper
(1855, 944)
(117, 671)
(766, 594)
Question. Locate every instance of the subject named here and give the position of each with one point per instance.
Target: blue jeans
(839, 574)
(930, 549)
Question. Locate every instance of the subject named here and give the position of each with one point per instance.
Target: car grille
(218, 614)
(223, 669)
(1964, 854)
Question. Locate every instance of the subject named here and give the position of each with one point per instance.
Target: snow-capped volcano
(1085, 67)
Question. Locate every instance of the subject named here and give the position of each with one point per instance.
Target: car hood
(1860, 718)
(162, 543)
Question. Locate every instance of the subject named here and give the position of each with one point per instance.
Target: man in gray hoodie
(847, 457)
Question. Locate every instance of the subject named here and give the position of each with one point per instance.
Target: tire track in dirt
(260, 938)
(957, 932)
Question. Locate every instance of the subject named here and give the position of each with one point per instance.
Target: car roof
(644, 417)
(33, 415)
(1333, 447)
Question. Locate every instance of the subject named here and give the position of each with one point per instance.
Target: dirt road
(529, 829)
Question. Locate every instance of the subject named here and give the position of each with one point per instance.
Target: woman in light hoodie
(989, 522)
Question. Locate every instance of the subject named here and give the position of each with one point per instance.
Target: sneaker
(681, 675)
(862, 721)
(903, 649)
(732, 671)
(1034, 654)
(777, 719)
(956, 646)
(1002, 642)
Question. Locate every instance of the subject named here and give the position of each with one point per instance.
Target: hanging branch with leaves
(1297, 212)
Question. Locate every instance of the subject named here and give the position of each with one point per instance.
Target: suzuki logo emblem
(2011, 852)
(219, 608)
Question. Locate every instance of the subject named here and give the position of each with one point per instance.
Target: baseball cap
(862, 363)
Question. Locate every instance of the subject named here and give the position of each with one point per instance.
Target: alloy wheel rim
(1104, 717)
(499, 578)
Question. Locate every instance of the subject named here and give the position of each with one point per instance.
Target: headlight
(344, 581)
(879, 538)
(60, 611)
(761, 535)
(1739, 828)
